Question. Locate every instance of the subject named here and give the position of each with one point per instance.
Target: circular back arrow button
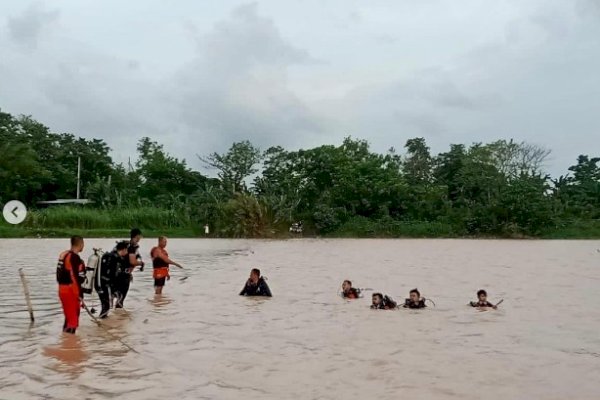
(14, 212)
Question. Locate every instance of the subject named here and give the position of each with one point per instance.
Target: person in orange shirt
(160, 264)
(70, 274)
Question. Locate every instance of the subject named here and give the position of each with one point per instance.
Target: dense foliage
(497, 188)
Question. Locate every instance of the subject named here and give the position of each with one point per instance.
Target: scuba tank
(90, 271)
(388, 302)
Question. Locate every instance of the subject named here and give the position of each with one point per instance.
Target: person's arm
(75, 264)
(103, 270)
(161, 254)
(134, 261)
(266, 291)
(244, 289)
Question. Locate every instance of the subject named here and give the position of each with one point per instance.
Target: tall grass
(119, 218)
(242, 217)
(574, 229)
(387, 227)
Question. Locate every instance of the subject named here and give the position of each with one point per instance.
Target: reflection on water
(69, 355)
(160, 301)
(199, 340)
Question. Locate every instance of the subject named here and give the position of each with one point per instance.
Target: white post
(78, 175)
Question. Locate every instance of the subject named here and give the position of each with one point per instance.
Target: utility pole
(78, 175)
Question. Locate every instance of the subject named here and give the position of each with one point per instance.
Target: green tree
(163, 177)
(236, 165)
(418, 164)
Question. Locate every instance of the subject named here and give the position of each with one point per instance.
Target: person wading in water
(124, 277)
(70, 274)
(105, 281)
(160, 264)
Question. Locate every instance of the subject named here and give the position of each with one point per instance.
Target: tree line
(497, 188)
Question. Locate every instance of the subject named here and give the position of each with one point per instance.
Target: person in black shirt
(124, 277)
(482, 300)
(415, 300)
(256, 285)
(381, 302)
(106, 274)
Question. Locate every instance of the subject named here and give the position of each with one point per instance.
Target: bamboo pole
(27, 297)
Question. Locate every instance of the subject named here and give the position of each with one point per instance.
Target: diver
(482, 300)
(348, 291)
(106, 274)
(124, 277)
(381, 302)
(160, 264)
(415, 300)
(70, 274)
(256, 285)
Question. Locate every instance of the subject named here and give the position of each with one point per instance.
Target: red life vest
(69, 271)
(160, 267)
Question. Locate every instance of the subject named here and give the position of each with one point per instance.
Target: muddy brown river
(200, 340)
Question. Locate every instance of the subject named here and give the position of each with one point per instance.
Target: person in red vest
(160, 264)
(70, 274)
(348, 291)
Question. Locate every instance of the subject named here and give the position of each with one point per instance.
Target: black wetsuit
(123, 278)
(105, 279)
(408, 303)
(259, 289)
(386, 304)
(480, 304)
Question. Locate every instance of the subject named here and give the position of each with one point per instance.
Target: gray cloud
(386, 74)
(27, 28)
(235, 88)
(537, 83)
(588, 8)
(237, 85)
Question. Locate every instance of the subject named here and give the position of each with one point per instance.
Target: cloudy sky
(198, 75)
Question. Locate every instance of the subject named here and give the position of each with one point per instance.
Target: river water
(200, 340)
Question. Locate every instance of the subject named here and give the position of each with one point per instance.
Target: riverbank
(24, 232)
(414, 231)
(100, 223)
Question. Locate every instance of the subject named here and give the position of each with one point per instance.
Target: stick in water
(498, 303)
(97, 321)
(27, 297)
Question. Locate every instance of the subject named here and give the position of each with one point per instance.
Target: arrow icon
(14, 212)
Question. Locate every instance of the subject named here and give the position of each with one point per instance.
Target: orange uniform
(69, 275)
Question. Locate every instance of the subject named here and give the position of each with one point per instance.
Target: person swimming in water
(381, 302)
(482, 301)
(256, 285)
(348, 291)
(415, 300)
